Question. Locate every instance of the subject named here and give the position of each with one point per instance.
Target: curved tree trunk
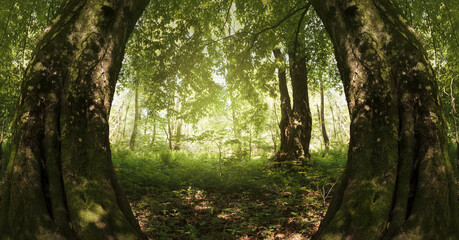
(60, 182)
(398, 182)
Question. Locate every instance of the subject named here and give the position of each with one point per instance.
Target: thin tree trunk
(125, 118)
(136, 116)
(397, 183)
(274, 132)
(178, 135)
(153, 136)
(320, 125)
(322, 117)
(169, 133)
(236, 128)
(60, 182)
(333, 116)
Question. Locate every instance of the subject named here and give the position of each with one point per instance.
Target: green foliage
(452, 148)
(165, 157)
(21, 22)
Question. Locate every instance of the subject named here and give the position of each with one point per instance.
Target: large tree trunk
(60, 181)
(398, 182)
(322, 117)
(296, 124)
(289, 146)
(301, 112)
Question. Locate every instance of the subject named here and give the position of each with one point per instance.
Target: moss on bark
(398, 182)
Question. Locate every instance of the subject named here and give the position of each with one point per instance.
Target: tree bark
(398, 182)
(333, 116)
(320, 121)
(60, 181)
(136, 116)
(322, 117)
(289, 146)
(169, 132)
(301, 111)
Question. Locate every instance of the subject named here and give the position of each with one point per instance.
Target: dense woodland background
(194, 124)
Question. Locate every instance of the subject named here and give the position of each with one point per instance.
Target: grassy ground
(182, 196)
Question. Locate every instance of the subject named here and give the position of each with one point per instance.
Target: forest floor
(180, 195)
(185, 196)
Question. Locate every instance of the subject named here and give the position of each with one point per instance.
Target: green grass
(179, 195)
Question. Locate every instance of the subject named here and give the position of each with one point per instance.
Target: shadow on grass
(179, 195)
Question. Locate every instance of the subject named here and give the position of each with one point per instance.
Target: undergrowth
(180, 195)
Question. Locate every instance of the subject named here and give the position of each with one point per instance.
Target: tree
(322, 117)
(296, 122)
(136, 115)
(60, 182)
(286, 109)
(398, 181)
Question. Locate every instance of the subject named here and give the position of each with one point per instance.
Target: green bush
(166, 157)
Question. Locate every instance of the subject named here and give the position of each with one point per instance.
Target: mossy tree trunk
(60, 181)
(398, 181)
